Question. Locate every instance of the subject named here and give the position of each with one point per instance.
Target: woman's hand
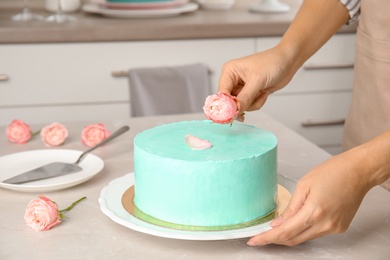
(252, 78)
(324, 202)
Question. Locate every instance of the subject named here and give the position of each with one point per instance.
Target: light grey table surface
(89, 234)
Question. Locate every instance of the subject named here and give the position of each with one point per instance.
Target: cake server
(56, 169)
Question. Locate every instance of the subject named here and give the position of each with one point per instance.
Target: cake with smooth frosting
(232, 184)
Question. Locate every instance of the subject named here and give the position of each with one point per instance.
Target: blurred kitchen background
(79, 69)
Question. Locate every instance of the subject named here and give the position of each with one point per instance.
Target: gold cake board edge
(283, 199)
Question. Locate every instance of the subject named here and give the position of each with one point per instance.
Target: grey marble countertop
(233, 23)
(89, 234)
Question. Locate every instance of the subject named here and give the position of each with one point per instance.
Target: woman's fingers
(230, 80)
(315, 208)
(290, 223)
(284, 233)
(259, 101)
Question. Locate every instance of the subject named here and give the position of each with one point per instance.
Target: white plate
(152, 13)
(110, 201)
(141, 5)
(17, 163)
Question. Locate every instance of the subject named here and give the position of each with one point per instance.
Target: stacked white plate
(139, 8)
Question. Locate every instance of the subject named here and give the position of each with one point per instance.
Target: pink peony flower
(54, 134)
(42, 214)
(94, 134)
(221, 108)
(18, 132)
(195, 143)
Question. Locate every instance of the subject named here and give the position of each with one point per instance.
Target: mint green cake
(231, 185)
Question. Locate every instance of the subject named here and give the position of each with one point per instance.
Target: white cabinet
(73, 81)
(317, 100)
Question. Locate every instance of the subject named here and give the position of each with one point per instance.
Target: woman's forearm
(314, 24)
(372, 160)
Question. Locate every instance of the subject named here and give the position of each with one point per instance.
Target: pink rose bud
(94, 134)
(221, 108)
(195, 143)
(42, 214)
(54, 134)
(18, 132)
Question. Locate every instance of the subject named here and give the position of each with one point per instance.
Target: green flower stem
(71, 206)
(35, 133)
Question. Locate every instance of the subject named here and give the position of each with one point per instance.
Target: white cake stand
(270, 6)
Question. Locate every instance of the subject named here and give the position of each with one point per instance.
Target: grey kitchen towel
(168, 90)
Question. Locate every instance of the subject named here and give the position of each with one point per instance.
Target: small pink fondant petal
(195, 143)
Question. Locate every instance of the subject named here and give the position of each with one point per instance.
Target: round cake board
(283, 199)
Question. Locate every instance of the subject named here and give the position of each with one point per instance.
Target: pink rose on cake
(54, 134)
(221, 108)
(18, 132)
(94, 134)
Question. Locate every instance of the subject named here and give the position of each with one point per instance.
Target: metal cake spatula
(56, 169)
